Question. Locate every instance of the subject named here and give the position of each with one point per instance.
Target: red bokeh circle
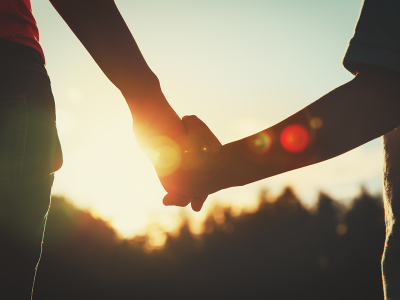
(295, 138)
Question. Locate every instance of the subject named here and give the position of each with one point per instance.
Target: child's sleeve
(376, 39)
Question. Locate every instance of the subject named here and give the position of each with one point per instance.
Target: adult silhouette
(30, 150)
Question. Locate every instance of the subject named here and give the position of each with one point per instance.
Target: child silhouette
(352, 114)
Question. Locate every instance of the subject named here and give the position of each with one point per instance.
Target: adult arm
(102, 30)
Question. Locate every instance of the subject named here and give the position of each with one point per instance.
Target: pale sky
(240, 65)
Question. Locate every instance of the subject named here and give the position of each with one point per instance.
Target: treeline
(281, 251)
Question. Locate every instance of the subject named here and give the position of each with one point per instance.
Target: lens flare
(260, 143)
(165, 155)
(295, 138)
(316, 123)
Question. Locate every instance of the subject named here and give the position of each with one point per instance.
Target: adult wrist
(144, 90)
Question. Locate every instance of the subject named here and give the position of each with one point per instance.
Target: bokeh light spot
(295, 138)
(341, 229)
(316, 123)
(260, 143)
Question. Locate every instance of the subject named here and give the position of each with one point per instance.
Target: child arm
(355, 113)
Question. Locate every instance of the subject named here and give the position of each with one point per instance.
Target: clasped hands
(187, 168)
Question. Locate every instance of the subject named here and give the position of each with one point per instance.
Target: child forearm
(349, 116)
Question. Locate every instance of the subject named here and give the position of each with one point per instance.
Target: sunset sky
(241, 66)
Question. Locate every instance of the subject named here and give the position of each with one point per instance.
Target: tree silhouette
(280, 251)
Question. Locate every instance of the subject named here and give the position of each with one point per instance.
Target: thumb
(197, 202)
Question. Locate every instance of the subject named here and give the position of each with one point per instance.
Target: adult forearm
(103, 32)
(349, 116)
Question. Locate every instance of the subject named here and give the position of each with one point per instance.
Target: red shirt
(17, 23)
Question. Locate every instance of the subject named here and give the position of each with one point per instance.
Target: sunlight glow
(74, 95)
(65, 121)
(156, 238)
(165, 154)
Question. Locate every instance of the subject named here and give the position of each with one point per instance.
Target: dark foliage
(282, 251)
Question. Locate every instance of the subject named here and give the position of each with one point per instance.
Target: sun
(113, 178)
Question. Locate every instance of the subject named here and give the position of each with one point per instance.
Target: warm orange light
(295, 138)
(260, 143)
(164, 153)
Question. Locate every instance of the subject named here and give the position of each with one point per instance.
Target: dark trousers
(30, 153)
(391, 181)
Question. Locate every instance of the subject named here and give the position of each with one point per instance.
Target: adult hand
(186, 168)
